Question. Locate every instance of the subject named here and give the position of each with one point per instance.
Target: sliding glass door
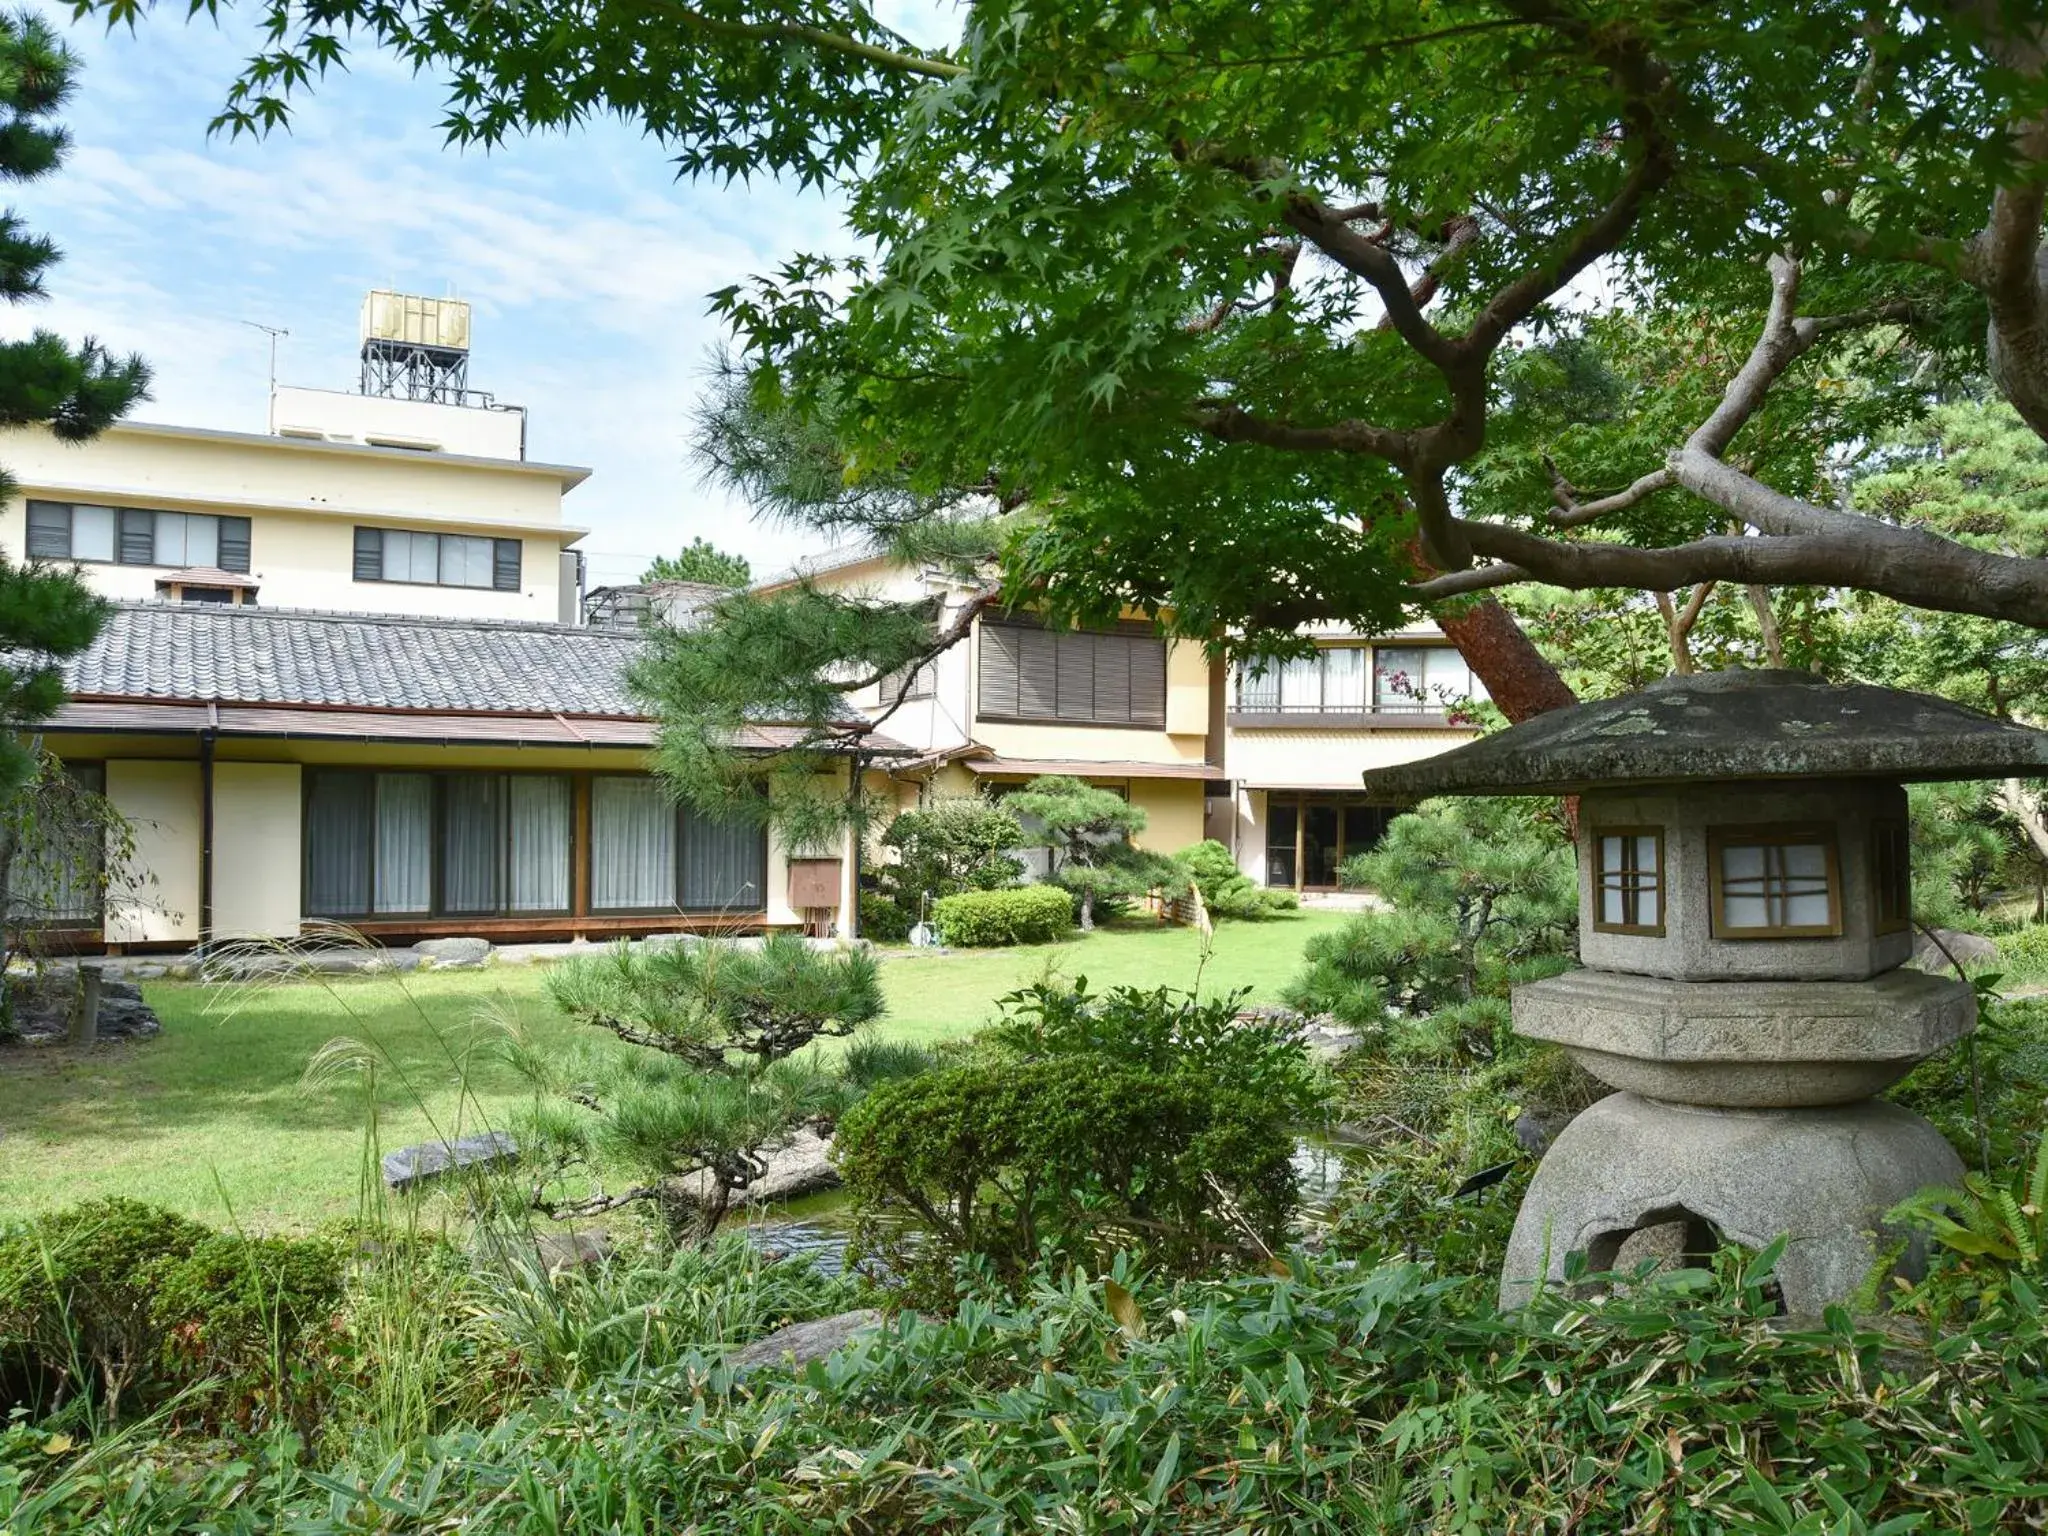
(1308, 837)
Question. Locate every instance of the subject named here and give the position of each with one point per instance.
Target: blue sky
(587, 262)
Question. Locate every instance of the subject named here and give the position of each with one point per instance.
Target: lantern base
(1681, 1176)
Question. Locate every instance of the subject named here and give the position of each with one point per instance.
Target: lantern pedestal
(1821, 1177)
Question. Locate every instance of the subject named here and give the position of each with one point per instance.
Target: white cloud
(588, 265)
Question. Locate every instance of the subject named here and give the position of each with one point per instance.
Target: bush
(1073, 1156)
(1031, 914)
(881, 920)
(958, 843)
(126, 1302)
(1228, 891)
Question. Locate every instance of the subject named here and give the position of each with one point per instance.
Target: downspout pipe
(206, 744)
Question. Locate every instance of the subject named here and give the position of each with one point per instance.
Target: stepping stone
(410, 1166)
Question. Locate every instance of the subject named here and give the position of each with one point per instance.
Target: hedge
(1030, 914)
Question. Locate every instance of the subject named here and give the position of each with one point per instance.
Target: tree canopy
(1250, 316)
(701, 560)
(77, 391)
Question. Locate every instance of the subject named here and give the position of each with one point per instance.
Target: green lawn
(214, 1117)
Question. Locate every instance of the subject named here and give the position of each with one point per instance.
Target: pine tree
(701, 560)
(45, 615)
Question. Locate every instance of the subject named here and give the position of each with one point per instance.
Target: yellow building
(1266, 762)
(406, 777)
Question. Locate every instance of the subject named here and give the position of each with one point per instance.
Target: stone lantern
(1745, 906)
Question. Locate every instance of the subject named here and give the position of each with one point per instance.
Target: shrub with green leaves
(1073, 1157)
(1476, 887)
(1228, 891)
(882, 921)
(956, 843)
(1030, 914)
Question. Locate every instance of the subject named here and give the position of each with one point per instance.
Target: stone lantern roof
(1729, 726)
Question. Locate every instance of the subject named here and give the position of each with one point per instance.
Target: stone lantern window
(1891, 876)
(1774, 882)
(1630, 880)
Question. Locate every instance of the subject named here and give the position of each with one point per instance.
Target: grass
(213, 1117)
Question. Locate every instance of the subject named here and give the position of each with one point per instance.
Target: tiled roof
(226, 654)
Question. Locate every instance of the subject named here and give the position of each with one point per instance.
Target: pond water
(817, 1227)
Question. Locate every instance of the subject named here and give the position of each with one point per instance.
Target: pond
(817, 1227)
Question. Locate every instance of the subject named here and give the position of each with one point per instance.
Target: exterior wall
(1328, 759)
(1173, 813)
(161, 800)
(304, 501)
(258, 833)
(257, 815)
(416, 425)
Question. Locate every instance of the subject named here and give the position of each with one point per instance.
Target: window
(437, 559)
(1100, 677)
(1628, 890)
(649, 854)
(57, 878)
(1330, 682)
(384, 845)
(1311, 838)
(1421, 679)
(1891, 876)
(60, 530)
(1774, 882)
(921, 681)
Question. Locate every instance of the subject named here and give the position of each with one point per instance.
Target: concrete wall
(161, 800)
(304, 501)
(257, 860)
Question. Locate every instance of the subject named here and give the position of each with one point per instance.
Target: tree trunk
(1087, 911)
(1518, 677)
(1767, 623)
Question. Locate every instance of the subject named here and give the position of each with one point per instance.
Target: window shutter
(999, 657)
(138, 537)
(1076, 673)
(49, 530)
(1147, 655)
(505, 565)
(369, 554)
(234, 544)
(1038, 674)
(1113, 678)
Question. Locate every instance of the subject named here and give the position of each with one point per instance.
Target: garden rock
(564, 1252)
(42, 1007)
(802, 1167)
(1969, 948)
(464, 954)
(409, 1167)
(799, 1344)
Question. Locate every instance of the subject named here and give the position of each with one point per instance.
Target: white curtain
(405, 842)
(537, 824)
(465, 561)
(1344, 678)
(632, 845)
(472, 839)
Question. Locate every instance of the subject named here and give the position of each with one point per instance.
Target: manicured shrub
(79, 1297)
(1031, 914)
(956, 843)
(243, 1306)
(1228, 891)
(1075, 1157)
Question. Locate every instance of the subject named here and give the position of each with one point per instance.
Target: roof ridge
(209, 612)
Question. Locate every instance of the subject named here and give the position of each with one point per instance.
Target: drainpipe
(206, 740)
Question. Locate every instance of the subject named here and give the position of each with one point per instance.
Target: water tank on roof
(409, 319)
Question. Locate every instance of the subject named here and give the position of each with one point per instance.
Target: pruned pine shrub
(1031, 914)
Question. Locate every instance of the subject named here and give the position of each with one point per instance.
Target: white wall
(415, 424)
(256, 849)
(162, 802)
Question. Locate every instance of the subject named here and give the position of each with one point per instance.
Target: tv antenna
(273, 332)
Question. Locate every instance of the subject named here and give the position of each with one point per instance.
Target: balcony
(1256, 711)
